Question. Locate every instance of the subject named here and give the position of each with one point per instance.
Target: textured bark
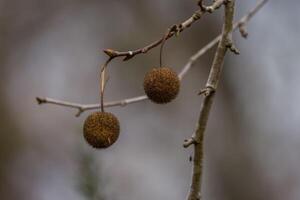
(211, 86)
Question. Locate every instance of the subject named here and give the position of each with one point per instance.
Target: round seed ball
(161, 85)
(101, 129)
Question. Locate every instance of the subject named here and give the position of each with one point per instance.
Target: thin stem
(103, 81)
(102, 78)
(162, 47)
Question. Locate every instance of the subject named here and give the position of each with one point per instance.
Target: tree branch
(84, 107)
(242, 23)
(174, 30)
(209, 93)
(244, 20)
(211, 86)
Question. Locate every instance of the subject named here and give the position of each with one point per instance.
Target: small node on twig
(129, 56)
(200, 4)
(243, 30)
(80, 111)
(216, 5)
(144, 50)
(209, 9)
(110, 52)
(40, 100)
(197, 15)
(203, 91)
(232, 47)
(190, 141)
(173, 29)
(101, 129)
(179, 30)
(206, 91)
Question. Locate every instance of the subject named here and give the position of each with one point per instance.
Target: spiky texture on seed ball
(101, 129)
(161, 85)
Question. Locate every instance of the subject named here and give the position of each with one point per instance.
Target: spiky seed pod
(161, 85)
(101, 129)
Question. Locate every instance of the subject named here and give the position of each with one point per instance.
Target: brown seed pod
(101, 129)
(161, 85)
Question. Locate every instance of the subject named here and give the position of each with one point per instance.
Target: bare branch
(84, 107)
(242, 23)
(212, 82)
(174, 30)
(244, 20)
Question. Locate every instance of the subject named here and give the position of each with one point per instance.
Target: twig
(174, 30)
(84, 107)
(242, 23)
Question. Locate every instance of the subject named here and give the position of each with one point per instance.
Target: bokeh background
(53, 48)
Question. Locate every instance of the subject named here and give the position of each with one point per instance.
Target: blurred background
(54, 48)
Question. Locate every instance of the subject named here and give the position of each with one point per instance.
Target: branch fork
(190, 141)
(230, 45)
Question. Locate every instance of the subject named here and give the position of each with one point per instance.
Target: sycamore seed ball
(101, 129)
(161, 85)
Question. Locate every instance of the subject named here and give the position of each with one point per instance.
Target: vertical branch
(209, 93)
